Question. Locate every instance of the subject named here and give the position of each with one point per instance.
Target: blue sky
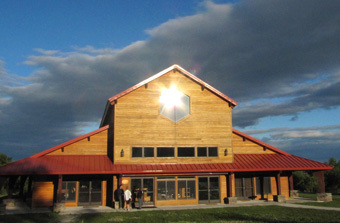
(61, 60)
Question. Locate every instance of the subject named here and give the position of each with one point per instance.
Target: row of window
(149, 152)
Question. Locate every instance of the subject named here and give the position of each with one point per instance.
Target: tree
(332, 178)
(305, 181)
(4, 159)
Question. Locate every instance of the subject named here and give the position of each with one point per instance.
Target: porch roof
(101, 164)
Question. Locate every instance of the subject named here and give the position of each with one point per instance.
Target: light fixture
(122, 153)
(225, 152)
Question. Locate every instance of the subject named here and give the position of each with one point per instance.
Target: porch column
(119, 180)
(230, 185)
(292, 193)
(59, 206)
(109, 191)
(322, 195)
(12, 180)
(321, 180)
(2, 182)
(278, 183)
(29, 189)
(230, 198)
(60, 187)
(22, 184)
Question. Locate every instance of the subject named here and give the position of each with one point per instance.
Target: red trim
(259, 142)
(70, 142)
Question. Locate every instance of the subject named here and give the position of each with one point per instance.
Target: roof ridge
(69, 142)
(161, 73)
(260, 142)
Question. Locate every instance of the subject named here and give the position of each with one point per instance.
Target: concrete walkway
(101, 209)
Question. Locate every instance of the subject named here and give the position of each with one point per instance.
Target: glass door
(90, 193)
(145, 184)
(208, 190)
(244, 188)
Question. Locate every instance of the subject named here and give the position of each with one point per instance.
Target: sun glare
(171, 97)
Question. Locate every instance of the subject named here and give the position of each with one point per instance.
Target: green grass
(230, 214)
(335, 203)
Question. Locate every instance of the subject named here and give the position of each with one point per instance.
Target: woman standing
(127, 197)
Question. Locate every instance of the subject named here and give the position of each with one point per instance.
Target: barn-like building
(170, 135)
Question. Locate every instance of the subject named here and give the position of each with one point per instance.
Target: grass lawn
(335, 203)
(239, 214)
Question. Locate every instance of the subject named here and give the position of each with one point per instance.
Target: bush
(305, 181)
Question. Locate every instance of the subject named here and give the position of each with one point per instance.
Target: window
(207, 151)
(142, 151)
(69, 190)
(174, 104)
(166, 188)
(165, 152)
(263, 187)
(186, 151)
(186, 188)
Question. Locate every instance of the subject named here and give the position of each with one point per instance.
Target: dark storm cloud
(249, 50)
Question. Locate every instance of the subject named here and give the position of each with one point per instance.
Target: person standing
(127, 197)
(139, 197)
(120, 195)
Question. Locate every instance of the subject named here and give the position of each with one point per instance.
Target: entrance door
(146, 184)
(244, 187)
(208, 190)
(90, 193)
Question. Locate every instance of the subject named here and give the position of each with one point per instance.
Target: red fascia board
(70, 142)
(183, 71)
(260, 142)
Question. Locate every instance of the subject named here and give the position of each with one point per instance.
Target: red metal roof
(248, 137)
(101, 164)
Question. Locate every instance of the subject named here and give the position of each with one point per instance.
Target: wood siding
(244, 146)
(138, 122)
(94, 145)
(42, 195)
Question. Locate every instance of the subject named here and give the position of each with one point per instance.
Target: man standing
(139, 197)
(120, 195)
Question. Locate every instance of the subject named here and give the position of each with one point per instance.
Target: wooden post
(12, 180)
(278, 183)
(60, 187)
(321, 180)
(22, 184)
(29, 189)
(119, 180)
(230, 185)
(291, 182)
(109, 191)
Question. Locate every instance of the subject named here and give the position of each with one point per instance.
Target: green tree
(332, 178)
(4, 159)
(305, 181)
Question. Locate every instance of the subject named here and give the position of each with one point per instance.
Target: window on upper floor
(174, 104)
(186, 151)
(207, 151)
(142, 151)
(165, 152)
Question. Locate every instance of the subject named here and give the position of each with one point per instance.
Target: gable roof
(70, 142)
(259, 142)
(113, 99)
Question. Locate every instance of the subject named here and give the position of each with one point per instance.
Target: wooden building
(170, 135)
